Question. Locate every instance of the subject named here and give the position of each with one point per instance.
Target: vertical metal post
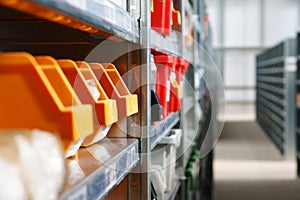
(290, 79)
(139, 183)
(290, 109)
(145, 24)
(181, 148)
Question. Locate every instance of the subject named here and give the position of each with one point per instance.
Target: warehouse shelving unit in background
(275, 78)
(118, 166)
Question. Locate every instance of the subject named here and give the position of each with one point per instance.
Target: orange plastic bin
(89, 91)
(39, 96)
(115, 88)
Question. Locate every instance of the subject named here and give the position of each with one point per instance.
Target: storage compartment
(175, 91)
(181, 68)
(37, 95)
(164, 155)
(115, 88)
(163, 64)
(90, 92)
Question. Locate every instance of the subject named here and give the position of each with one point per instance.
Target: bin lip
(182, 61)
(182, 65)
(163, 59)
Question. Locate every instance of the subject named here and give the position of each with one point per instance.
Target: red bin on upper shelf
(161, 15)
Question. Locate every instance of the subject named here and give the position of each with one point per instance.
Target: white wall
(214, 15)
(243, 39)
(242, 23)
(281, 20)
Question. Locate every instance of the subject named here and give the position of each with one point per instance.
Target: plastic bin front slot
(115, 88)
(104, 109)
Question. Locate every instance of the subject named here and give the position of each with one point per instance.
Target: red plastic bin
(163, 63)
(161, 16)
(176, 89)
(175, 93)
(181, 67)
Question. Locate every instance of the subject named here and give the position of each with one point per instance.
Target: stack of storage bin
(62, 97)
(169, 82)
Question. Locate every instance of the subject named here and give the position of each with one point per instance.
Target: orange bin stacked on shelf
(115, 88)
(36, 94)
(89, 91)
(40, 92)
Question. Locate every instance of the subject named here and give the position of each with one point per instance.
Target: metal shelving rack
(71, 29)
(275, 82)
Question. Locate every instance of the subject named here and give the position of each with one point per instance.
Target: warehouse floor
(248, 166)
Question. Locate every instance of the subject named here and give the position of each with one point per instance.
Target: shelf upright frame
(139, 183)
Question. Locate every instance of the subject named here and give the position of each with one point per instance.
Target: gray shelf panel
(272, 125)
(269, 122)
(162, 128)
(270, 88)
(273, 117)
(273, 70)
(269, 62)
(275, 133)
(269, 79)
(272, 106)
(271, 97)
(100, 167)
(169, 44)
(94, 16)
